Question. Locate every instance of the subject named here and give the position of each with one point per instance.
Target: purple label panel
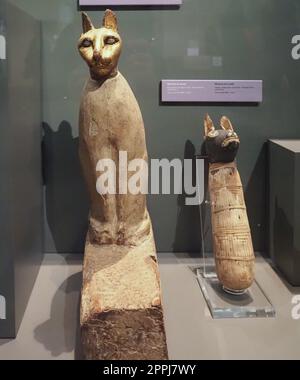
(212, 91)
(130, 2)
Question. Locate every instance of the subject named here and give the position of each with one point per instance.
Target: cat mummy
(121, 315)
(232, 242)
(110, 121)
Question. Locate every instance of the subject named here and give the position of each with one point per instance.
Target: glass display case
(20, 163)
(182, 60)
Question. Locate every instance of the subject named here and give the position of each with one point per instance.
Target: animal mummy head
(221, 145)
(101, 48)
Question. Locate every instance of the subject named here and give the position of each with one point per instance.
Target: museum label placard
(212, 91)
(129, 2)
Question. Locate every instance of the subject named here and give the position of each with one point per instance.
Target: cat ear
(209, 128)
(226, 124)
(86, 23)
(110, 20)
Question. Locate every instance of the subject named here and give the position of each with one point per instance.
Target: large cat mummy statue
(121, 312)
(232, 242)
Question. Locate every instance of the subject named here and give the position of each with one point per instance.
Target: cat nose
(233, 145)
(97, 56)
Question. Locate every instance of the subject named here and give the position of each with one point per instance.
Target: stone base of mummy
(121, 313)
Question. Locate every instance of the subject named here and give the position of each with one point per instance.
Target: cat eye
(111, 40)
(86, 43)
(213, 134)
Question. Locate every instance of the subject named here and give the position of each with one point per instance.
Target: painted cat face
(101, 48)
(221, 145)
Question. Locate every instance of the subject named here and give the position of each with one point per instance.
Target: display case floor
(49, 329)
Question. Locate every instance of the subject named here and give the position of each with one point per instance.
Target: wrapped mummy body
(232, 243)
